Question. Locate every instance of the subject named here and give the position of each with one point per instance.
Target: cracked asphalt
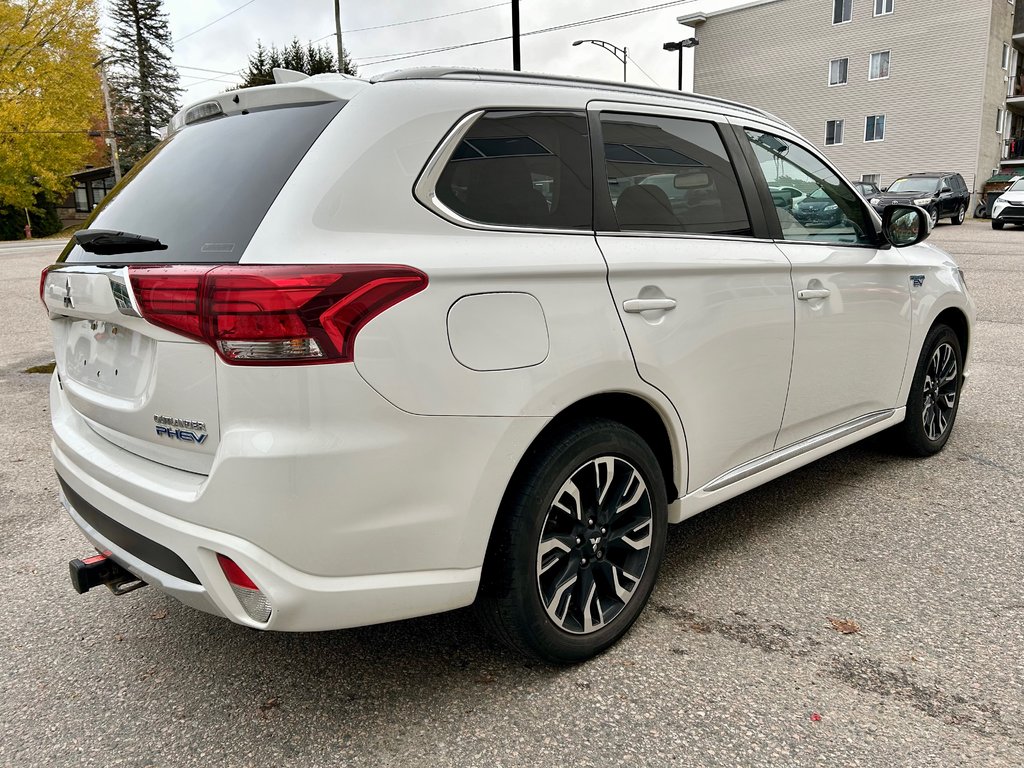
(734, 663)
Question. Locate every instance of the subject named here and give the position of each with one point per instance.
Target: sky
(209, 59)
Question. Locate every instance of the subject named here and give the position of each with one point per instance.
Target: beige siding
(776, 56)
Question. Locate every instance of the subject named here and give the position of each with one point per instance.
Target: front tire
(933, 215)
(997, 224)
(576, 549)
(960, 215)
(934, 395)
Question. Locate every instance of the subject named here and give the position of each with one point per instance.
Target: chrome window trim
(684, 236)
(424, 190)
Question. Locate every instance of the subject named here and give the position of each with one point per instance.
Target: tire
(934, 397)
(933, 214)
(997, 224)
(961, 213)
(577, 545)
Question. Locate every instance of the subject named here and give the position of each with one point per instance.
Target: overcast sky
(225, 45)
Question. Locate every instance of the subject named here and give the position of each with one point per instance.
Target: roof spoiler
(288, 76)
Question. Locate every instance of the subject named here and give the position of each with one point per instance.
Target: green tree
(311, 59)
(143, 82)
(49, 97)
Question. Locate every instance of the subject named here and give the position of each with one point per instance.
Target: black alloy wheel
(577, 544)
(934, 395)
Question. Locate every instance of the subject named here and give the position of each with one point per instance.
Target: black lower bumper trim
(147, 550)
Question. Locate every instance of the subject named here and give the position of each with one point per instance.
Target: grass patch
(46, 368)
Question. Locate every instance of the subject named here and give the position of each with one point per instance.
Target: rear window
(203, 191)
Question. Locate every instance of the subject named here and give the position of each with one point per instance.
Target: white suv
(341, 352)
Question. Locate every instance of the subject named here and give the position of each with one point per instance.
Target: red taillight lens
(272, 315)
(253, 601)
(42, 285)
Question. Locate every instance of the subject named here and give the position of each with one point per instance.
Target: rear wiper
(107, 241)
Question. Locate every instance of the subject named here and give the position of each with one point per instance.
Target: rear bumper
(330, 549)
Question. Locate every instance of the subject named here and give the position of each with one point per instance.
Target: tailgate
(145, 389)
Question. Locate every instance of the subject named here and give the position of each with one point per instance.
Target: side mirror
(904, 225)
(945, 191)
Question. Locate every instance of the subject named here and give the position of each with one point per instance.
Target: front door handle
(643, 305)
(813, 293)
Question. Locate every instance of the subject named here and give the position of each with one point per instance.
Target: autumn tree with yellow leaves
(49, 96)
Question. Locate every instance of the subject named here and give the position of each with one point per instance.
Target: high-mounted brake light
(272, 315)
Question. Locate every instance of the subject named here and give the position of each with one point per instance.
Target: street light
(614, 50)
(688, 43)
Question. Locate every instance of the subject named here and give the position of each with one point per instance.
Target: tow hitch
(100, 569)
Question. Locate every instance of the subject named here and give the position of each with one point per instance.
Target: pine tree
(144, 83)
(313, 60)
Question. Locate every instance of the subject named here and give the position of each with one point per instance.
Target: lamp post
(614, 50)
(688, 43)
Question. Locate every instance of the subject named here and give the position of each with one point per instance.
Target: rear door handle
(643, 305)
(813, 293)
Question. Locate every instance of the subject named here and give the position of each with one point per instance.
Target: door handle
(643, 305)
(813, 293)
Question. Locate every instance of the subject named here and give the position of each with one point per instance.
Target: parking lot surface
(734, 663)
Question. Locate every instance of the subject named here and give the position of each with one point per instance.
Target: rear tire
(934, 395)
(577, 545)
(960, 215)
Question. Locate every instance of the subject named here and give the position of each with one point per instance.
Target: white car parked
(341, 352)
(1008, 208)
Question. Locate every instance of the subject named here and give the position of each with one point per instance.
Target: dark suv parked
(943, 194)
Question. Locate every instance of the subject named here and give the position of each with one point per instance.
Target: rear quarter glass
(204, 190)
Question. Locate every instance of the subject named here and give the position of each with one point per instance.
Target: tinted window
(522, 169)
(671, 175)
(831, 212)
(204, 190)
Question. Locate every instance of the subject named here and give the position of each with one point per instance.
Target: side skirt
(777, 463)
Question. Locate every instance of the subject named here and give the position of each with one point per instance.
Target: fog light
(253, 601)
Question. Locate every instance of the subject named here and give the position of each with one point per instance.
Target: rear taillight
(42, 285)
(255, 603)
(271, 315)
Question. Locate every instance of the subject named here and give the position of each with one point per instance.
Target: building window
(833, 132)
(842, 11)
(999, 120)
(81, 197)
(879, 68)
(1006, 56)
(871, 178)
(874, 128)
(838, 70)
(883, 7)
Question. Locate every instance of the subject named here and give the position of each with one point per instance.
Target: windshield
(914, 185)
(819, 195)
(1017, 186)
(205, 189)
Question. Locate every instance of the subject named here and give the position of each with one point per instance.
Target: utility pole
(111, 136)
(516, 59)
(337, 33)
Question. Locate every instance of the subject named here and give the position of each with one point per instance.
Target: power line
(637, 63)
(388, 57)
(220, 18)
(415, 21)
(203, 69)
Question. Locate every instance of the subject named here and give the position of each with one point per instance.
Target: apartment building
(883, 87)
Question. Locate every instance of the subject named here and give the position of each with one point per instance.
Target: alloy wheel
(594, 545)
(940, 387)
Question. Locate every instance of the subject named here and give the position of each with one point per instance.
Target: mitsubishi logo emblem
(68, 303)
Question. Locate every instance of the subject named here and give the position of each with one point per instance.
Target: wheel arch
(628, 409)
(956, 320)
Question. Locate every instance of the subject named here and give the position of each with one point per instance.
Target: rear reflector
(272, 315)
(253, 601)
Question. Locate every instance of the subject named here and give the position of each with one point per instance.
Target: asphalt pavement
(734, 663)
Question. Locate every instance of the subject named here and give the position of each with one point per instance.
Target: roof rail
(456, 73)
